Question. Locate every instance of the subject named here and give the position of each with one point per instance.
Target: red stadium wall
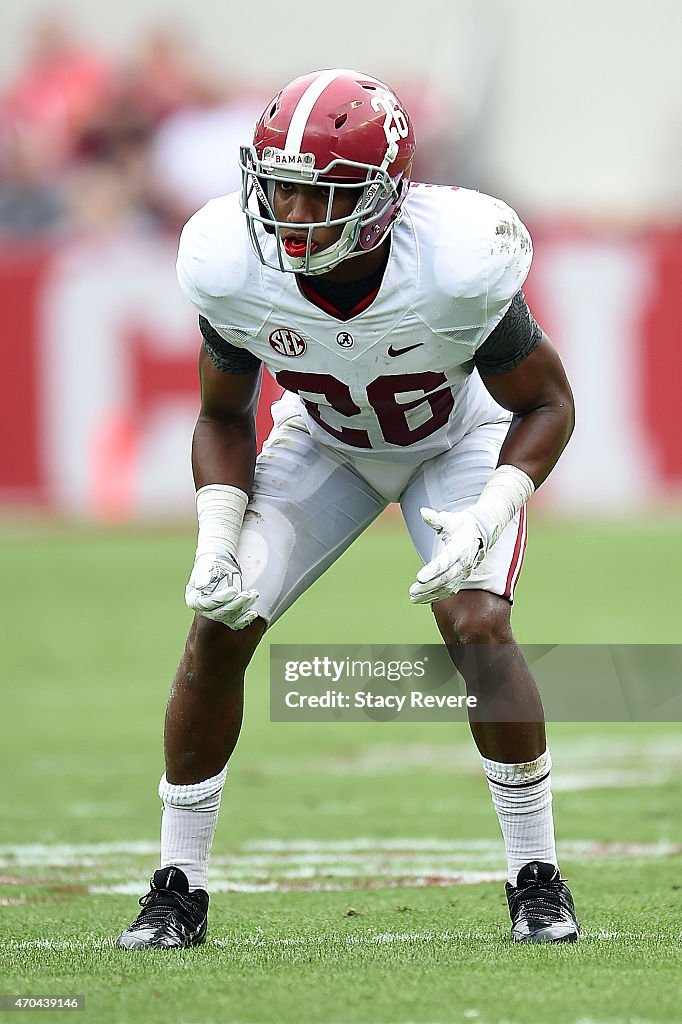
(21, 276)
(99, 388)
(99, 391)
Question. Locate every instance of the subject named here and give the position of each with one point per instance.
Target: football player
(392, 314)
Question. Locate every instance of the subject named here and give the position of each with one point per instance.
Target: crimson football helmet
(339, 129)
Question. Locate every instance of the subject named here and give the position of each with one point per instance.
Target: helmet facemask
(373, 215)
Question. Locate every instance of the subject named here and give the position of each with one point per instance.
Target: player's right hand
(215, 590)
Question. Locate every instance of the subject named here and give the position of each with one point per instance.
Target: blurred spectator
(58, 92)
(100, 203)
(117, 140)
(160, 128)
(195, 153)
(161, 122)
(196, 123)
(166, 73)
(30, 202)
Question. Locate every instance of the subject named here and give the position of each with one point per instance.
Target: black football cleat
(541, 906)
(172, 917)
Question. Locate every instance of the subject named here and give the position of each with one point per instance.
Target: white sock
(190, 816)
(522, 796)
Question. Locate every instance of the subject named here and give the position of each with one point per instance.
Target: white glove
(468, 536)
(465, 546)
(215, 591)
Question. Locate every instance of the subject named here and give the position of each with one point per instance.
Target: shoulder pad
(213, 254)
(482, 249)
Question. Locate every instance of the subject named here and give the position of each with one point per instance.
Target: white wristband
(507, 490)
(220, 510)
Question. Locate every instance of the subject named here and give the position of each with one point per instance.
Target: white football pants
(309, 503)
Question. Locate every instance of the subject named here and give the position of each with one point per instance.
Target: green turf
(93, 625)
(456, 966)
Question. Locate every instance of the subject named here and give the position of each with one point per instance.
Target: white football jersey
(398, 378)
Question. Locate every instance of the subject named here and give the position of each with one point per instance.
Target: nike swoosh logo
(401, 351)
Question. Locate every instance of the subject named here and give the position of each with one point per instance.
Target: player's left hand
(465, 546)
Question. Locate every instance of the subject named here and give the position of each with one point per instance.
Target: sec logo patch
(287, 342)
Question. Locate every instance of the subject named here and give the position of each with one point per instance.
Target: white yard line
(466, 846)
(39, 850)
(579, 762)
(351, 884)
(260, 940)
(302, 865)
(314, 852)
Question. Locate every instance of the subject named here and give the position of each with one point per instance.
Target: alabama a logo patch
(287, 342)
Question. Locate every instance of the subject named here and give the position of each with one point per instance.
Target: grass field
(357, 870)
